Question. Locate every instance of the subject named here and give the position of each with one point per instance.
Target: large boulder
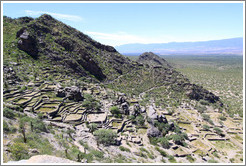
(152, 113)
(27, 42)
(125, 108)
(153, 132)
(121, 100)
(162, 119)
(136, 110)
(72, 93)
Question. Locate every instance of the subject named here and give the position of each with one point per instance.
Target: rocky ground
(63, 114)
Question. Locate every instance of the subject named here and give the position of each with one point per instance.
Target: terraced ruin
(202, 144)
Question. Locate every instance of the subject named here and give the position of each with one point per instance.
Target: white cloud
(56, 15)
(116, 39)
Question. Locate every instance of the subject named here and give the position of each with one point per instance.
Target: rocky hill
(153, 60)
(47, 39)
(69, 96)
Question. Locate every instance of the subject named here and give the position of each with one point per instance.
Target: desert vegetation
(126, 111)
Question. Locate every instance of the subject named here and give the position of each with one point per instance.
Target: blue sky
(122, 23)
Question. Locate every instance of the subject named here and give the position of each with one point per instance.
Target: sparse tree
(92, 127)
(22, 130)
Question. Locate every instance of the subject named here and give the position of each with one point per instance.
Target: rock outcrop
(10, 75)
(27, 42)
(152, 59)
(72, 93)
(153, 132)
(152, 113)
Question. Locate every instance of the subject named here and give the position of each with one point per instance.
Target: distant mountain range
(233, 46)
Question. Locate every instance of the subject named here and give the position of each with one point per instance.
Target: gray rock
(33, 151)
(153, 132)
(172, 127)
(125, 108)
(13, 63)
(137, 109)
(60, 93)
(152, 113)
(72, 93)
(162, 119)
(121, 100)
(27, 43)
(142, 110)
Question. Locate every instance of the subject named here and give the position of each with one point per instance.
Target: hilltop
(69, 96)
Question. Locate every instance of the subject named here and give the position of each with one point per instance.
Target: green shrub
(162, 152)
(38, 125)
(212, 161)
(176, 128)
(144, 150)
(204, 102)
(97, 154)
(139, 120)
(105, 137)
(115, 111)
(164, 142)
(92, 127)
(153, 140)
(120, 159)
(8, 113)
(72, 153)
(34, 140)
(171, 159)
(128, 144)
(200, 108)
(122, 148)
(151, 156)
(216, 154)
(88, 157)
(184, 135)
(163, 127)
(90, 103)
(206, 127)
(210, 122)
(163, 160)
(7, 128)
(177, 139)
(232, 160)
(23, 88)
(190, 158)
(40, 115)
(205, 117)
(223, 118)
(84, 144)
(19, 151)
(218, 131)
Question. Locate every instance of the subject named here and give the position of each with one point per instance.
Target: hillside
(69, 96)
(51, 41)
(233, 46)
